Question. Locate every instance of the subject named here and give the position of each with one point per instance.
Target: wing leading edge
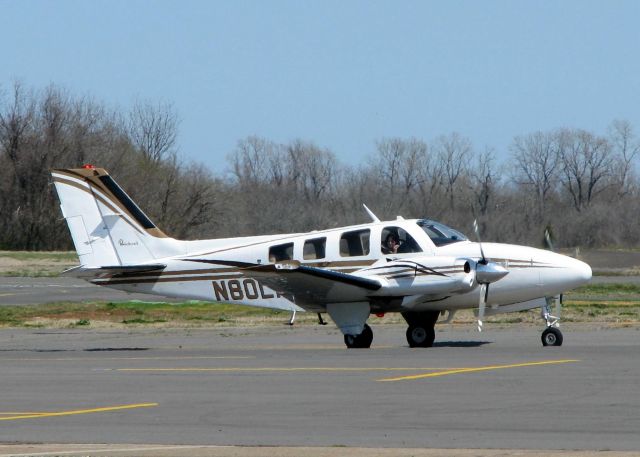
(313, 286)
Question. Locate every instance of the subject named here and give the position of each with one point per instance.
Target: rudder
(106, 226)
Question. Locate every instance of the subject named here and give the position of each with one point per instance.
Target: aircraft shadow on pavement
(76, 350)
(460, 344)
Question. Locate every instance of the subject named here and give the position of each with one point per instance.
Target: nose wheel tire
(419, 336)
(552, 336)
(362, 341)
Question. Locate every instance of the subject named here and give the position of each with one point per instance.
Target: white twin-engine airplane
(419, 268)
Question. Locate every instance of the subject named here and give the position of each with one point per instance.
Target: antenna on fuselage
(373, 217)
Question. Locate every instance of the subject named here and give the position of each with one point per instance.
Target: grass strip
(202, 314)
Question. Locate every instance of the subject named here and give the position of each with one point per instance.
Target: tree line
(580, 186)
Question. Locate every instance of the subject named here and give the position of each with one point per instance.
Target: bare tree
(483, 182)
(586, 163)
(256, 160)
(401, 166)
(627, 147)
(536, 158)
(454, 152)
(153, 129)
(312, 170)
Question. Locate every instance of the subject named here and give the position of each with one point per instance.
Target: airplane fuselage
(220, 275)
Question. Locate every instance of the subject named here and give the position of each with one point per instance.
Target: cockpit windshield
(439, 233)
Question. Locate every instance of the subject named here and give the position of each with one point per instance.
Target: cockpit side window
(395, 240)
(281, 252)
(440, 234)
(314, 249)
(355, 243)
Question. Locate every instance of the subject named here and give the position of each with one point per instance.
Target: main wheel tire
(419, 336)
(552, 337)
(362, 341)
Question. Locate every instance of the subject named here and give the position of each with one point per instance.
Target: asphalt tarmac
(299, 386)
(31, 291)
(27, 291)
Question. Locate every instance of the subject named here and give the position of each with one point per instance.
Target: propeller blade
(477, 232)
(547, 240)
(484, 291)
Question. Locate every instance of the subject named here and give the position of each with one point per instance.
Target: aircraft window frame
(319, 247)
(407, 243)
(358, 243)
(280, 252)
(439, 233)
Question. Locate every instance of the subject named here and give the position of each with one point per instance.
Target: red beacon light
(88, 166)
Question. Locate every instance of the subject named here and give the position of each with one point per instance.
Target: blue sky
(339, 73)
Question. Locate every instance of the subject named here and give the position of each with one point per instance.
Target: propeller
(548, 244)
(486, 273)
(484, 291)
(483, 261)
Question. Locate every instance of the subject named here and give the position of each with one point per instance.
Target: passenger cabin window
(281, 252)
(355, 243)
(397, 241)
(439, 233)
(314, 249)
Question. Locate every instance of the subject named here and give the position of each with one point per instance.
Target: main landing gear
(421, 332)
(552, 336)
(362, 341)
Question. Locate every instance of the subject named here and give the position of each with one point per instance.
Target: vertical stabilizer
(106, 226)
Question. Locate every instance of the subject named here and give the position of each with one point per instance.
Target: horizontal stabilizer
(98, 272)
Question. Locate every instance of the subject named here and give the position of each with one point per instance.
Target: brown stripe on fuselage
(197, 275)
(118, 281)
(153, 274)
(340, 263)
(176, 272)
(234, 273)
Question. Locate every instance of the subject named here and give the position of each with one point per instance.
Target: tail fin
(107, 227)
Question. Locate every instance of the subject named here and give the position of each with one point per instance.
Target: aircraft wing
(313, 286)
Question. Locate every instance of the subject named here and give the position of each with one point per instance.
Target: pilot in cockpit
(391, 244)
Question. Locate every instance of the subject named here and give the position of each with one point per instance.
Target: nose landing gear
(552, 336)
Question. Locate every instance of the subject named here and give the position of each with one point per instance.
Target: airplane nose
(565, 274)
(576, 273)
(581, 270)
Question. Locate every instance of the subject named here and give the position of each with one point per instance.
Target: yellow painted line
(472, 370)
(91, 449)
(284, 369)
(77, 411)
(21, 413)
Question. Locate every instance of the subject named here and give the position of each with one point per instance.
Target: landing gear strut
(552, 336)
(362, 341)
(421, 332)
